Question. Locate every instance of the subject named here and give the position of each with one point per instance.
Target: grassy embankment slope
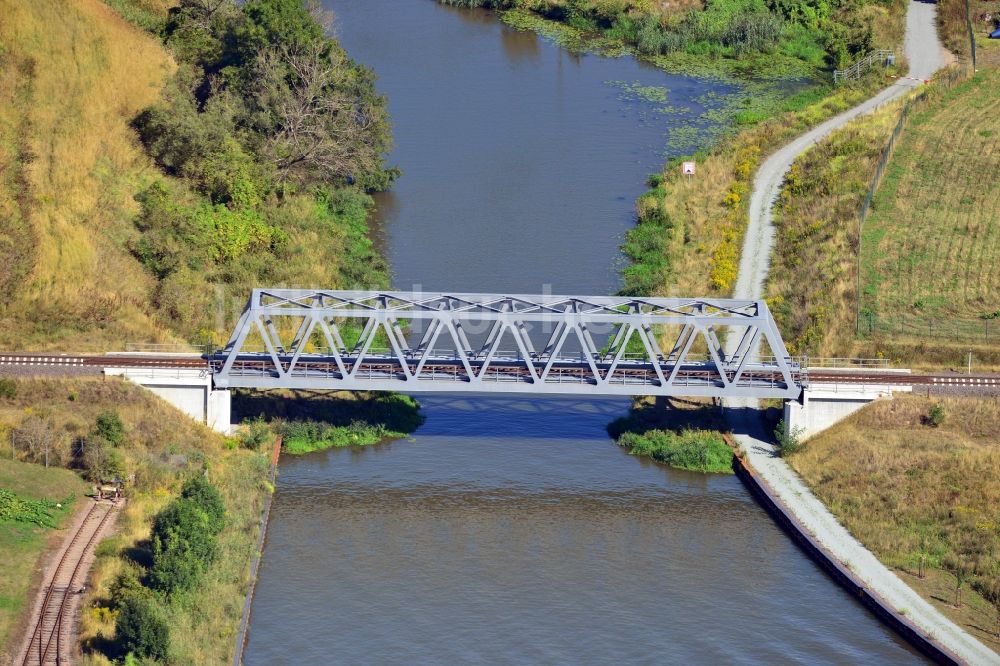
(161, 446)
(157, 233)
(922, 498)
(24, 543)
(72, 76)
(929, 292)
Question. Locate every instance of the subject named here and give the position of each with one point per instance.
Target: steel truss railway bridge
(503, 343)
(418, 342)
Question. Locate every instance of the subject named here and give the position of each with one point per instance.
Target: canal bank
(514, 526)
(782, 491)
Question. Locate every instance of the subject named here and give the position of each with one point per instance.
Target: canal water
(512, 529)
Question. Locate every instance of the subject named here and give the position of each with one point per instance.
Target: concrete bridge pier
(188, 389)
(823, 405)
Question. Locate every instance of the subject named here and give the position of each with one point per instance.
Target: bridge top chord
(453, 341)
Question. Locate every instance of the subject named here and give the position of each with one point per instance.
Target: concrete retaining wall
(842, 575)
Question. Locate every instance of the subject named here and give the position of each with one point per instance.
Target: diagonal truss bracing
(413, 341)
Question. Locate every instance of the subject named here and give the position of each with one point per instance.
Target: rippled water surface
(512, 530)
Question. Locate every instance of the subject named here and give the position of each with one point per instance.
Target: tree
(38, 437)
(206, 497)
(184, 544)
(958, 566)
(140, 628)
(321, 119)
(109, 426)
(100, 460)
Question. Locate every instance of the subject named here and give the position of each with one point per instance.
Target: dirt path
(52, 629)
(926, 56)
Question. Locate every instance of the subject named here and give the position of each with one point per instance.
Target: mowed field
(931, 247)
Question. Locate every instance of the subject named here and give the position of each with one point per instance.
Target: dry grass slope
(812, 283)
(78, 74)
(911, 492)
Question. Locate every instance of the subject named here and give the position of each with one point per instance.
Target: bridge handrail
(165, 348)
(841, 362)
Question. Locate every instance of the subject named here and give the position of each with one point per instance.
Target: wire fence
(965, 330)
(867, 322)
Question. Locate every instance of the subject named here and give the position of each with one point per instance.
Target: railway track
(513, 371)
(51, 640)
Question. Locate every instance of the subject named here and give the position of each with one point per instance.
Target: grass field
(931, 246)
(162, 446)
(23, 544)
(913, 493)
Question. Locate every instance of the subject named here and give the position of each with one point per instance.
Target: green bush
(184, 544)
(206, 497)
(936, 415)
(789, 439)
(140, 629)
(256, 434)
(8, 389)
(109, 426)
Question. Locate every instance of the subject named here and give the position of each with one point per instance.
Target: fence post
(972, 36)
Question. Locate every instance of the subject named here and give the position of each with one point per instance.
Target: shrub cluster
(271, 137)
(694, 450)
(307, 436)
(184, 542)
(726, 28)
(185, 536)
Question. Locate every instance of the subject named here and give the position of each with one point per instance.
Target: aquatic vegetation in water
(692, 450)
(632, 91)
(568, 37)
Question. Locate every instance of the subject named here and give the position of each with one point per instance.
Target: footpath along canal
(513, 530)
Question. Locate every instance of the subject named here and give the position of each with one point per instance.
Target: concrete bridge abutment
(823, 405)
(188, 389)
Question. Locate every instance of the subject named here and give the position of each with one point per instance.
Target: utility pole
(970, 361)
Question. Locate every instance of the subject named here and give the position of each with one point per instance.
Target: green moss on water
(692, 450)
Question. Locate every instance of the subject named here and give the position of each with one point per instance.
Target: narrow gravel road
(926, 56)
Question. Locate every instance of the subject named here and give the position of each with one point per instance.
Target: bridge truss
(416, 342)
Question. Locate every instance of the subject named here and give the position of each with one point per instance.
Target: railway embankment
(107, 427)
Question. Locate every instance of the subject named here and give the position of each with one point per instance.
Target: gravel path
(926, 56)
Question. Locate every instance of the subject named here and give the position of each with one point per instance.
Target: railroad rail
(47, 645)
(251, 365)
